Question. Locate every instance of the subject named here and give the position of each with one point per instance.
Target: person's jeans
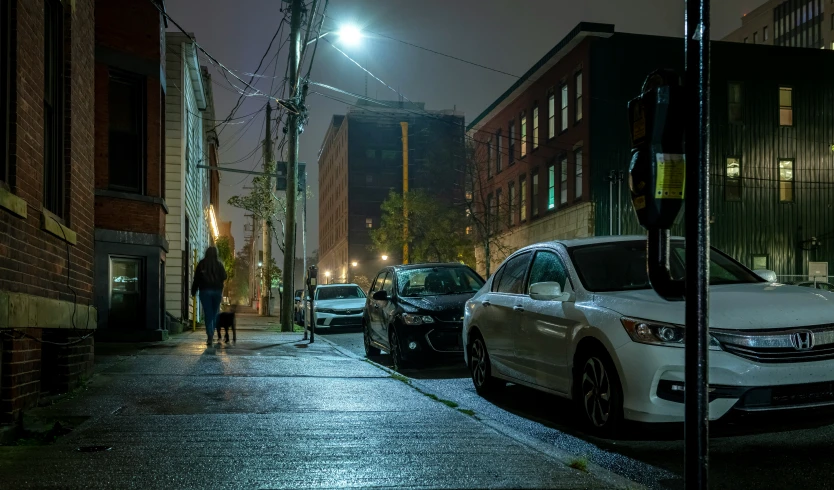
(210, 299)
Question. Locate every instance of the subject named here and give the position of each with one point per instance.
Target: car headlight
(412, 319)
(654, 333)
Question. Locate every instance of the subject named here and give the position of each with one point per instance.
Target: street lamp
(349, 34)
(384, 257)
(354, 263)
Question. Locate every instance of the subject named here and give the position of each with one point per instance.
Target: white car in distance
(578, 318)
(339, 305)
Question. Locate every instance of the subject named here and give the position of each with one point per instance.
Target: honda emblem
(803, 340)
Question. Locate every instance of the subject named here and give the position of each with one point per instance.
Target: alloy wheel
(596, 391)
(478, 366)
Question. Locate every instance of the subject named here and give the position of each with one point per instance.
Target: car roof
(597, 240)
(405, 267)
(339, 284)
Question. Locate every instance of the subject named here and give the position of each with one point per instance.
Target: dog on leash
(225, 320)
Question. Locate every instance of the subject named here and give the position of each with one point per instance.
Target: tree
(485, 214)
(436, 231)
(363, 282)
(238, 286)
(226, 256)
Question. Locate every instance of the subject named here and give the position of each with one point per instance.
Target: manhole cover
(93, 449)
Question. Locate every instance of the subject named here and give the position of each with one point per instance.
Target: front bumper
(653, 376)
(327, 320)
(432, 339)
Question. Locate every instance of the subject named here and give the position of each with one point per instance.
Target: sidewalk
(269, 412)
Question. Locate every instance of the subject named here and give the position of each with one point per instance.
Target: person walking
(208, 280)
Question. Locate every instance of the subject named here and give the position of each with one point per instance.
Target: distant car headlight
(412, 319)
(653, 333)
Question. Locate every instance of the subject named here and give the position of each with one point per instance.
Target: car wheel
(481, 369)
(396, 351)
(370, 350)
(598, 393)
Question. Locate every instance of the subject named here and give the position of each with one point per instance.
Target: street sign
(281, 176)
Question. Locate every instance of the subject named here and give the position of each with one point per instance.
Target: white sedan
(579, 319)
(339, 305)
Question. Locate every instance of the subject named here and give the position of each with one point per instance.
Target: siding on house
(185, 183)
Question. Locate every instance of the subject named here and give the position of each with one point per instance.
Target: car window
(512, 278)
(497, 279)
(433, 281)
(339, 292)
(547, 267)
(378, 282)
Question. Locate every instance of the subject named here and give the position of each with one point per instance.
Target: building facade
(361, 162)
(46, 199)
(793, 23)
(130, 208)
(186, 186)
(771, 167)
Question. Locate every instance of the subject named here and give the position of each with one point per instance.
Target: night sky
(508, 35)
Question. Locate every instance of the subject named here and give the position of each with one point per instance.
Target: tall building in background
(130, 203)
(770, 162)
(187, 187)
(793, 23)
(361, 162)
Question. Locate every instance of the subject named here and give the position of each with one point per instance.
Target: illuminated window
(785, 106)
(369, 222)
(786, 179)
(551, 115)
(564, 107)
(563, 190)
(577, 156)
(523, 134)
(522, 197)
(551, 187)
(732, 180)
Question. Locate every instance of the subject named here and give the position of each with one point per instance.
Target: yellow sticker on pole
(671, 176)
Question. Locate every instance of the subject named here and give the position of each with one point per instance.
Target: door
(127, 298)
(542, 343)
(387, 308)
(501, 317)
(374, 308)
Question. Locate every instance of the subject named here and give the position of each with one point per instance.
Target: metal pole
(620, 202)
(266, 278)
(404, 126)
(696, 402)
(292, 166)
(304, 260)
(611, 203)
(194, 298)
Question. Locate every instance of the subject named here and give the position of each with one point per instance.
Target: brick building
(46, 199)
(130, 206)
(361, 161)
(554, 138)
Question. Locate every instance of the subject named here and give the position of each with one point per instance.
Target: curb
(603, 474)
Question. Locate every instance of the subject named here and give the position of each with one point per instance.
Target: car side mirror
(548, 291)
(380, 295)
(767, 275)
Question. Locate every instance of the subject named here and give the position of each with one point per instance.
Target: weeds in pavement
(580, 464)
(400, 377)
(466, 411)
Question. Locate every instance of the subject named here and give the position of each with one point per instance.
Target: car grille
(445, 340)
(341, 322)
(789, 396)
(792, 345)
(348, 312)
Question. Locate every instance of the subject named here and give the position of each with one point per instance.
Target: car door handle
(485, 303)
(518, 308)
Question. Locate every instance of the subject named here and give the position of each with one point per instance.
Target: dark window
(512, 277)
(577, 158)
(734, 105)
(370, 153)
(764, 34)
(511, 204)
(564, 106)
(389, 155)
(535, 195)
(6, 73)
(511, 144)
(498, 151)
(53, 127)
(489, 158)
(577, 111)
(127, 137)
(547, 267)
(732, 180)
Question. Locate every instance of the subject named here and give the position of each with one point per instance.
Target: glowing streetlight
(349, 34)
(354, 263)
(327, 274)
(384, 257)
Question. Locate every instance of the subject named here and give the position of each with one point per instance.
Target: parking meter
(312, 281)
(656, 176)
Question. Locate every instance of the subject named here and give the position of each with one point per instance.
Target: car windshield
(339, 292)
(621, 266)
(434, 281)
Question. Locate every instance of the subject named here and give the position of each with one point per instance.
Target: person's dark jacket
(202, 281)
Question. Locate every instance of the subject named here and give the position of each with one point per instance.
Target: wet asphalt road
(271, 411)
(789, 450)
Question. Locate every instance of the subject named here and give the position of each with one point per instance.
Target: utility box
(281, 176)
(818, 271)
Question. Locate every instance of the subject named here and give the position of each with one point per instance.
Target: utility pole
(404, 126)
(293, 127)
(266, 280)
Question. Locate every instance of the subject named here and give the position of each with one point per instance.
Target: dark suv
(416, 311)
